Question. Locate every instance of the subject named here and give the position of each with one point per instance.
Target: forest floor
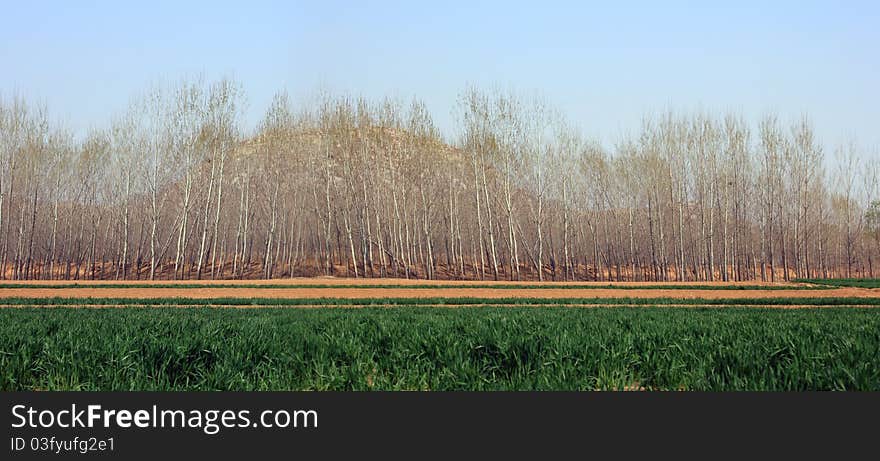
(329, 280)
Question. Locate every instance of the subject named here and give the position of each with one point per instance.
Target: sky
(604, 64)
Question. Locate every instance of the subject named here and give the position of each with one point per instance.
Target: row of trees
(175, 188)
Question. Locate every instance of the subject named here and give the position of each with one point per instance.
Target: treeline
(175, 188)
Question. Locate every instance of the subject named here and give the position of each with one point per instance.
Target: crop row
(834, 283)
(440, 301)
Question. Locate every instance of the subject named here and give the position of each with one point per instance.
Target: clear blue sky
(604, 64)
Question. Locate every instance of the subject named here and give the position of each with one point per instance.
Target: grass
(463, 301)
(496, 286)
(860, 283)
(514, 348)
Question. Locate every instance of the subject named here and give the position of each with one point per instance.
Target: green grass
(861, 283)
(496, 286)
(439, 349)
(464, 301)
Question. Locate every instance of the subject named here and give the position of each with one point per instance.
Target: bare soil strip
(374, 293)
(434, 306)
(299, 289)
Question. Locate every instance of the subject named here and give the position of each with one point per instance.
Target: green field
(860, 283)
(467, 348)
